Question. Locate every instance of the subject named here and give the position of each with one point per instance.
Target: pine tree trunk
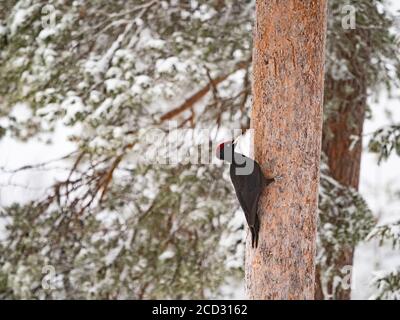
(288, 66)
(344, 124)
(344, 162)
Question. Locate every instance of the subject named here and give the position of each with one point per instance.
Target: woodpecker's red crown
(221, 149)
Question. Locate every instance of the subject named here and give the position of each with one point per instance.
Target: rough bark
(288, 67)
(344, 162)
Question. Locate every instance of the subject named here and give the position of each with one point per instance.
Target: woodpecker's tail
(254, 232)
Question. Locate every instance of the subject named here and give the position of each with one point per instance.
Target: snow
(72, 106)
(21, 112)
(112, 255)
(114, 72)
(118, 132)
(19, 62)
(136, 89)
(29, 184)
(167, 254)
(48, 55)
(139, 22)
(114, 85)
(142, 80)
(95, 96)
(3, 30)
(204, 13)
(100, 66)
(238, 54)
(185, 14)
(385, 287)
(46, 33)
(48, 110)
(374, 183)
(98, 142)
(395, 231)
(232, 289)
(155, 44)
(166, 65)
(104, 107)
(18, 20)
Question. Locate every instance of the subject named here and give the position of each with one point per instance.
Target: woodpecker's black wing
(248, 190)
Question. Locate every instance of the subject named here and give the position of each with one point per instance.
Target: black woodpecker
(248, 181)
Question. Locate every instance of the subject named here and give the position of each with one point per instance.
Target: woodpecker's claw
(274, 179)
